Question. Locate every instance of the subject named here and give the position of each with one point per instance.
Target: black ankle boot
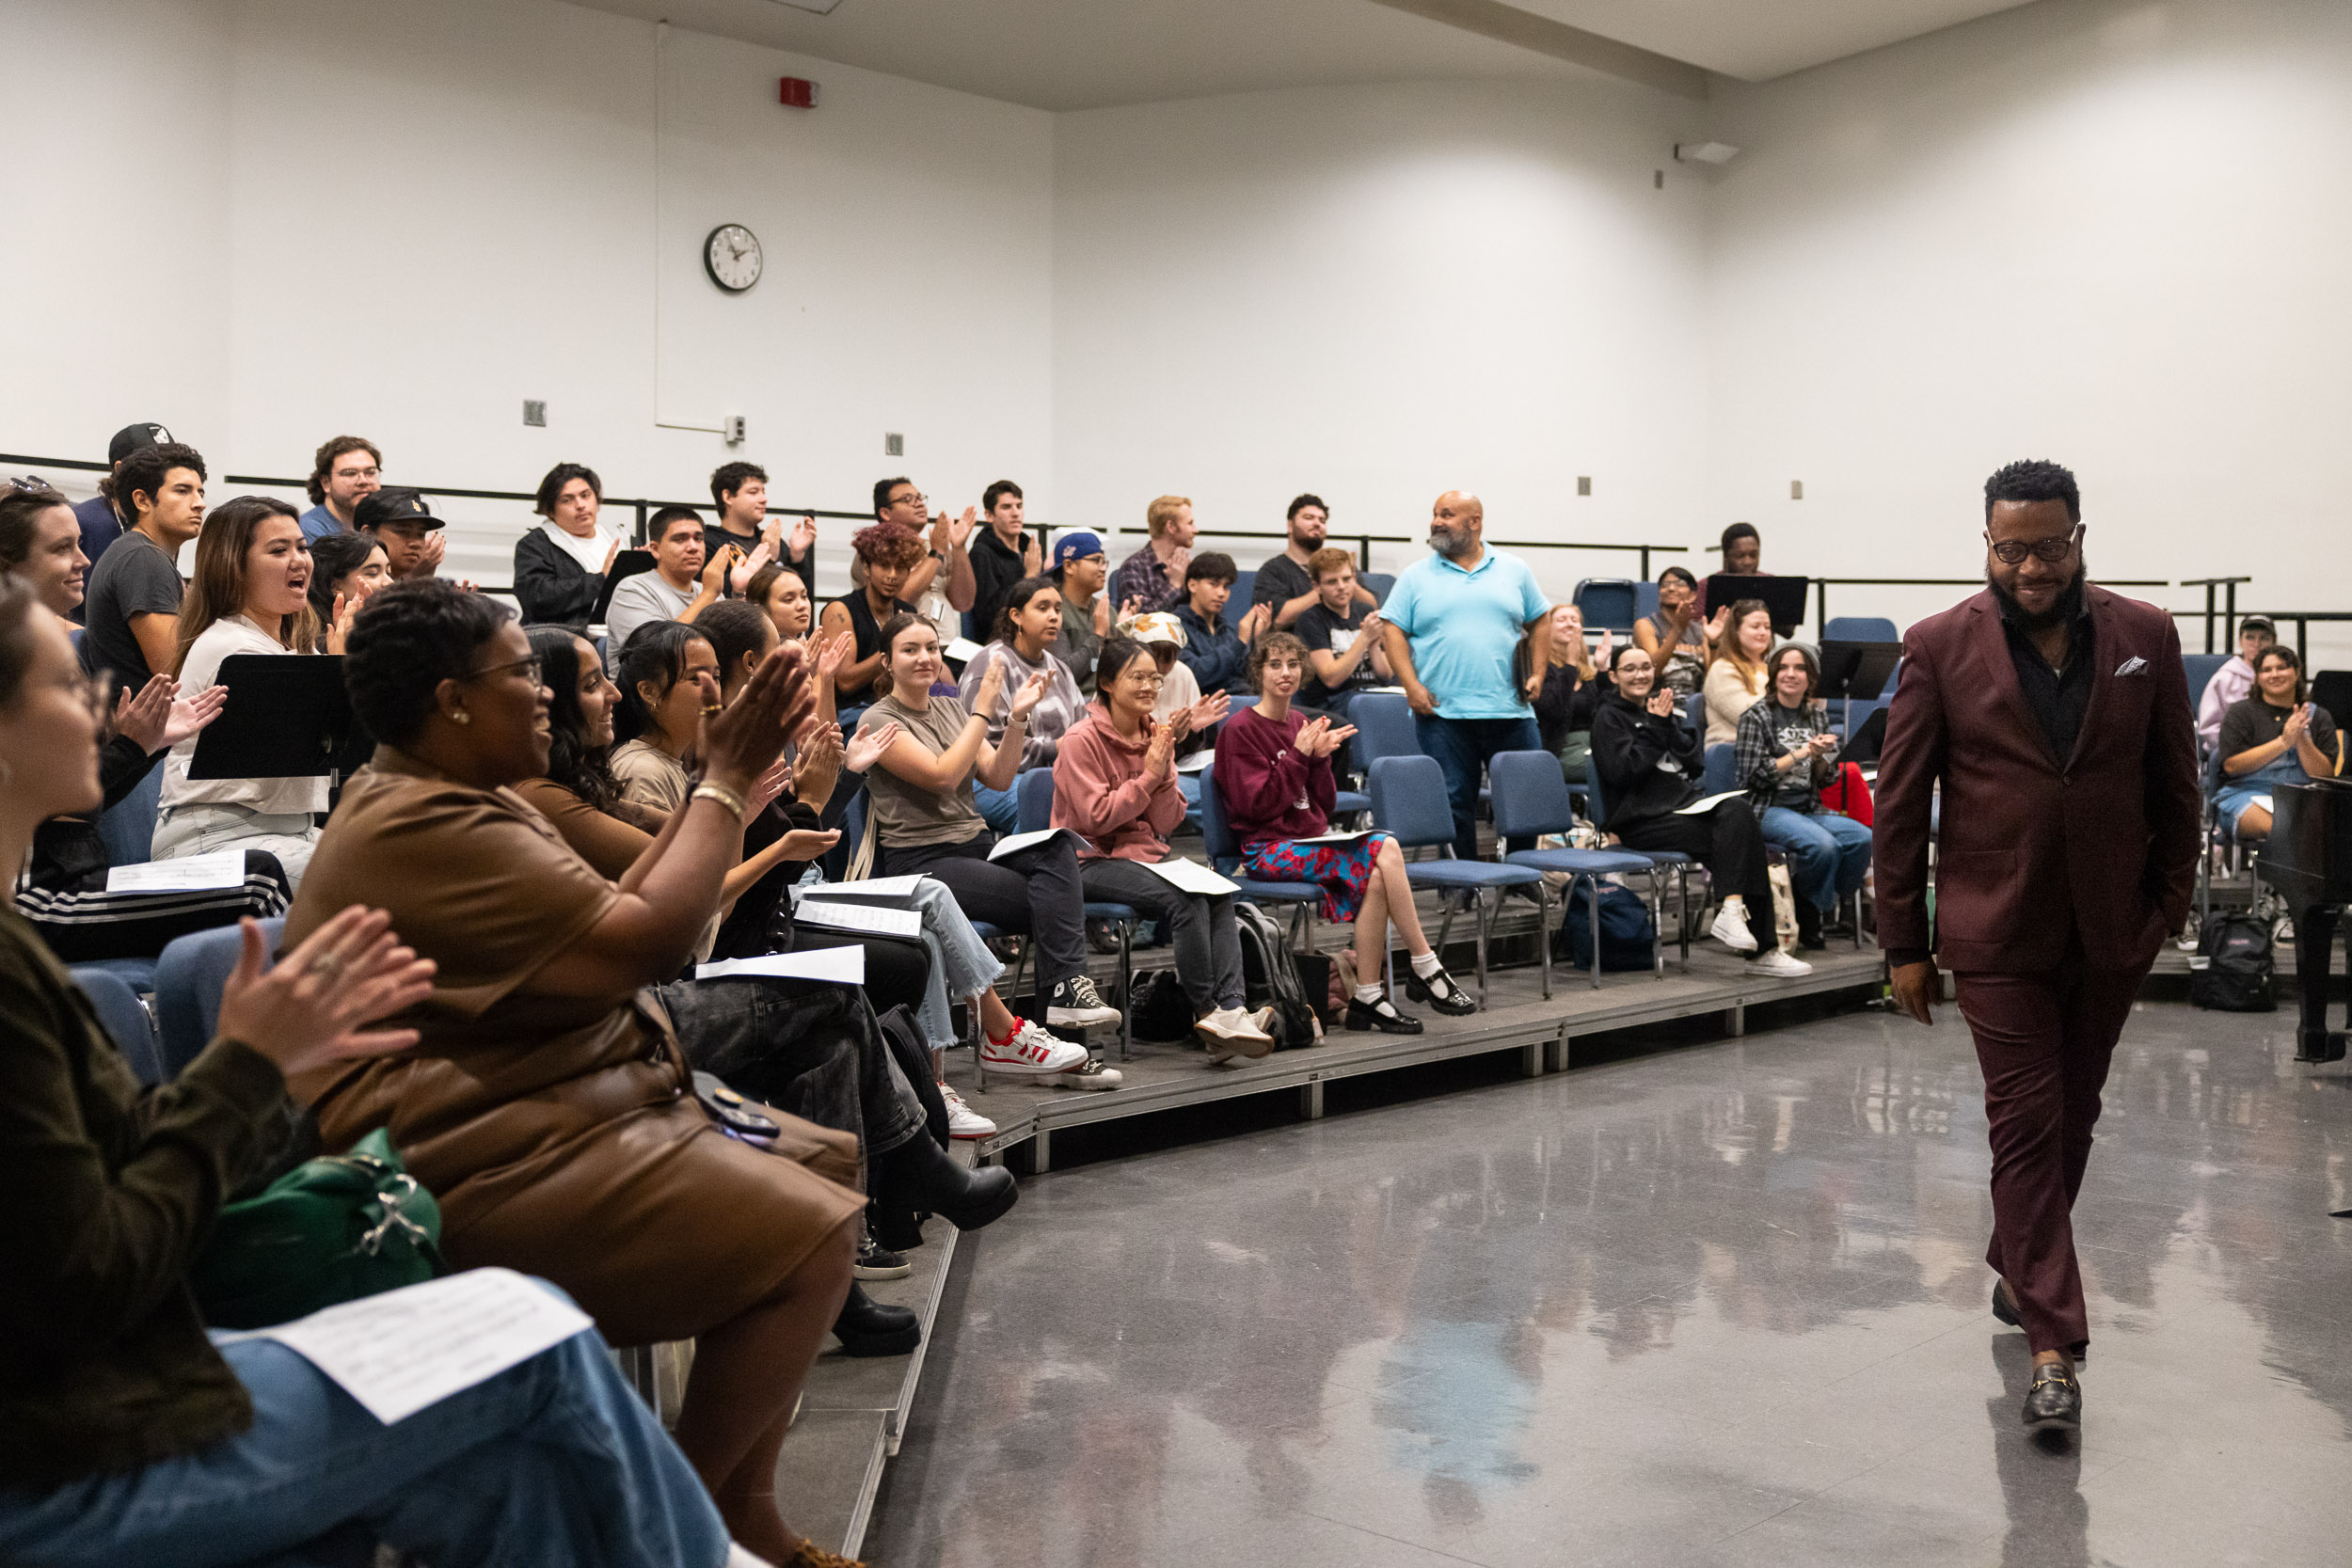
(899, 1229)
(1809, 926)
(919, 1175)
(866, 1327)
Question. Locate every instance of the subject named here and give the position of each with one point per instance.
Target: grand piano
(2310, 862)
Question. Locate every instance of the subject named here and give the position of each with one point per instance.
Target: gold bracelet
(722, 794)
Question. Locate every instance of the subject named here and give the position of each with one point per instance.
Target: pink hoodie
(1100, 792)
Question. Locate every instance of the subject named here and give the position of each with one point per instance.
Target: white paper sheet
(1196, 762)
(1012, 844)
(406, 1349)
(1706, 803)
(1191, 875)
(872, 918)
(1332, 839)
(842, 965)
(961, 650)
(188, 874)
(870, 887)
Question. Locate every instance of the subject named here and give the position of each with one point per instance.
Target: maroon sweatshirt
(1269, 790)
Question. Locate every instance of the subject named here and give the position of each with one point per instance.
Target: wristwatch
(935, 555)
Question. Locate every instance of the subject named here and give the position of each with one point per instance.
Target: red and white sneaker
(964, 1121)
(1031, 1053)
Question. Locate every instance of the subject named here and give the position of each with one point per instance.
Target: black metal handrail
(1365, 541)
(1821, 587)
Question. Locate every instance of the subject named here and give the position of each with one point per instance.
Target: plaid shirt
(1142, 579)
(1757, 752)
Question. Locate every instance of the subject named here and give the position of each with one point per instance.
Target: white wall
(1377, 294)
(2110, 232)
(404, 218)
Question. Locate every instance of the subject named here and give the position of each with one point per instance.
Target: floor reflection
(1723, 1305)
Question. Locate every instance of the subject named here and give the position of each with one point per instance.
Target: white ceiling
(1093, 54)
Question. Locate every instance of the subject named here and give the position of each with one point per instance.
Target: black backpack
(1160, 1010)
(1626, 932)
(1270, 979)
(2231, 972)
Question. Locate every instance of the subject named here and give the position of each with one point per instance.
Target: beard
(2067, 605)
(1452, 544)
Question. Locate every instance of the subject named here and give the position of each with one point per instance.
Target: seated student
(660, 671)
(129, 1436)
(1114, 783)
(783, 594)
(345, 569)
(2275, 737)
(888, 552)
(1153, 578)
(131, 598)
(559, 565)
(62, 891)
(1571, 691)
(2235, 681)
(413, 538)
(548, 1107)
(1342, 632)
(1217, 655)
(922, 818)
(1677, 636)
(1080, 569)
(345, 471)
(1646, 757)
(738, 495)
(1784, 759)
(681, 584)
(1274, 776)
(1742, 557)
(1735, 670)
(1028, 618)
(251, 594)
(1182, 700)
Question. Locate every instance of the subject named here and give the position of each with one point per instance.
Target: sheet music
(860, 917)
(188, 874)
(1332, 839)
(1706, 803)
(1012, 844)
(840, 965)
(869, 887)
(962, 650)
(1190, 875)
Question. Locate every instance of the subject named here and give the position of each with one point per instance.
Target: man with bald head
(1454, 623)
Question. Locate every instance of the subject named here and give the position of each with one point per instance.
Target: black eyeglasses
(533, 667)
(2012, 552)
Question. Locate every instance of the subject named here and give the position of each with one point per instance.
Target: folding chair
(1409, 799)
(1216, 833)
(1532, 799)
(1662, 860)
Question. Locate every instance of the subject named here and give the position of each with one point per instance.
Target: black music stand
(285, 719)
(627, 565)
(1851, 669)
(2333, 690)
(1784, 597)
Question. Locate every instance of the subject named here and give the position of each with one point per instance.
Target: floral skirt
(1341, 871)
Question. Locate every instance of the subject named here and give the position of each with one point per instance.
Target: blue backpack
(1626, 930)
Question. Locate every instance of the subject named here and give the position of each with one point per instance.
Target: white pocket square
(2131, 667)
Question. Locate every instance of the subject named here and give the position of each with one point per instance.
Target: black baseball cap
(130, 437)
(395, 504)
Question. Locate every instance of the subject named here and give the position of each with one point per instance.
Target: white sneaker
(1031, 1053)
(1088, 1074)
(964, 1121)
(1780, 965)
(1236, 1034)
(1732, 931)
(739, 1557)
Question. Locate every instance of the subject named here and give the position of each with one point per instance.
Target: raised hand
(191, 715)
(715, 569)
(741, 576)
(1159, 756)
(1032, 558)
(312, 1008)
(339, 629)
(804, 539)
(143, 717)
(867, 747)
(1210, 711)
(610, 552)
(960, 534)
(1661, 701)
(991, 687)
(1025, 700)
(739, 741)
(1716, 623)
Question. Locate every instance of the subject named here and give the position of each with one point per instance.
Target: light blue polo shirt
(1464, 627)
(318, 523)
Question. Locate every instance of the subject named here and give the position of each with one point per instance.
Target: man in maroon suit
(2054, 716)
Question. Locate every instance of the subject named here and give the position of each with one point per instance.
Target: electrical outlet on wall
(534, 411)
(1796, 489)
(1583, 484)
(731, 430)
(894, 445)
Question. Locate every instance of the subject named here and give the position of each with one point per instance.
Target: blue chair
(1721, 770)
(188, 981)
(1378, 583)
(1532, 799)
(1694, 711)
(124, 1015)
(1409, 799)
(2200, 670)
(1662, 860)
(1611, 602)
(1237, 602)
(1384, 728)
(1646, 601)
(127, 828)
(1033, 802)
(1216, 833)
(1859, 628)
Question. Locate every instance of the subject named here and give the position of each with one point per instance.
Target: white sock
(1368, 994)
(1736, 905)
(1427, 964)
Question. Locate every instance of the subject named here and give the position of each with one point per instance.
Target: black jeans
(1036, 893)
(801, 1046)
(895, 971)
(1729, 843)
(1208, 946)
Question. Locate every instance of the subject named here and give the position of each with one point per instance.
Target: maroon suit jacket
(2106, 839)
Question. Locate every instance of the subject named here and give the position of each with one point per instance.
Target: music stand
(1784, 597)
(627, 565)
(2332, 690)
(1851, 669)
(285, 719)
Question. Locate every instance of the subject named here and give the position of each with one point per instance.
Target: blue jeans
(1462, 746)
(1827, 853)
(999, 808)
(553, 1462)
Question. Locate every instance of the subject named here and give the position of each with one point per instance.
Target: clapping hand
(831, 653)
(961, 532)
(807, 844)
(1176, 564)
(339, 629)
(2298, 723)
(312, 1010)
(611, 552)
(991, 687)
(739, 741)
(1318, 739)
(739, 576)
(1025, 700)
(770, 784)
(1255, 620)
(867, 748)
(1661, 702)
(141, 718)
(1715, 624)
(1032, 558)
(1160, 754)
(803, 538)
(1209, 712)
(1600, 654)
(715, 569)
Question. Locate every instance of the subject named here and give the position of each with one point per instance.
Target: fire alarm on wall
(796, 93)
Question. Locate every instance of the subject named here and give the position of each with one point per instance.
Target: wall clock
(731, 257)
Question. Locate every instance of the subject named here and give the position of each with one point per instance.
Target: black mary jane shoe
(2005, 1310)
(1381, 1015)
(2055, 1401)
(1452, 1001)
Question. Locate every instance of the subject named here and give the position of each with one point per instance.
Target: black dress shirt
(2055, 697)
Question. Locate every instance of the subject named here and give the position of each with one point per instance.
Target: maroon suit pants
(2045, 1041)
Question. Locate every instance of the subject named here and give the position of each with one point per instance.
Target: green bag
(331, 1229)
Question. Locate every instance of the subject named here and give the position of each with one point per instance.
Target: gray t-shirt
(647, 596)
(905, 815)
(134, 578)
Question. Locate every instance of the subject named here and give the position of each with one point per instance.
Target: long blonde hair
(1753, 671)
(218, 590)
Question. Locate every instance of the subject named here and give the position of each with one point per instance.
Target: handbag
(331, 1229)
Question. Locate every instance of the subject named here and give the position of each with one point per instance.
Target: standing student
(1344, 636)
(1274, 776)
(107, 516)
(680, 586)
(888, 552)
(1785, 758)
(345, 471)
(1003, 553)
(1114, 783)
(1080, 570)
(1153, 578)
(1028, 617)
(559, 565)
(1735, 671)
(1289, 581)
(739, 493)
(250, 595)
(132, 603)
(1456, 620)
(2051, 717)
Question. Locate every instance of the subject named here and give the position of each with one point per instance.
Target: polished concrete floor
(1724, 1305)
